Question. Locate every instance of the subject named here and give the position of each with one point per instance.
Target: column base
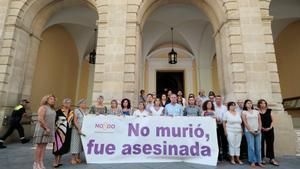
(285, 135)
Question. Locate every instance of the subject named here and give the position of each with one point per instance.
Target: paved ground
(18, 156)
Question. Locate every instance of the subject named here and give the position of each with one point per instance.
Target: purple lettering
(184, 131)
(163, 131)
(184, 150)
(157, 149)
(191, 130)
(90, 145)
(147, 149)
(206, 151)
(99, 149)
(136, 149)
(199, 132)
(145, 131)
(195, 149)
(176, 131)
(134, 130)
(126, 149)
(110, 149)
(173, 148)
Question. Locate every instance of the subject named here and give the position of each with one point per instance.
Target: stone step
(297, 130)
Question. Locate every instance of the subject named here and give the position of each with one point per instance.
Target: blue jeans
(254, 147)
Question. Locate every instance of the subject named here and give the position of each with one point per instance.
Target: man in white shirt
(220, 110)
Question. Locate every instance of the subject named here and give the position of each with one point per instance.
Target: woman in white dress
(157, 109)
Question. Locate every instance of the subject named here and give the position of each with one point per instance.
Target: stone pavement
(18, 156)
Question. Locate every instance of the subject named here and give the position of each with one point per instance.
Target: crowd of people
(242, 130)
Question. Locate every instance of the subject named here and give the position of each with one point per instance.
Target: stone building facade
(241, 32)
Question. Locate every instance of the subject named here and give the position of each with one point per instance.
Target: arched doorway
(62, 66)
(286, 30)
(193, 41)
(35, 32)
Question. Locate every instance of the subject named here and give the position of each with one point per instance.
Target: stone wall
(4, 5)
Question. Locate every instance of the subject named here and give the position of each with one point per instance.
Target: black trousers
(267, 138)
(12, 127)
(244, 148)
(222, 142)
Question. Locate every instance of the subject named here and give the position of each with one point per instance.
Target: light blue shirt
(173, 110)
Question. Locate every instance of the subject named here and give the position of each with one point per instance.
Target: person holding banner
(157, 109)
(63, 131)
(126, 107)
(76, 145)
(232, 122)
(252, 121)
(141, 112)
(114, 110)
(44, 129)
(208, 109)
(173, 109)
(99, 107)
(192, 109)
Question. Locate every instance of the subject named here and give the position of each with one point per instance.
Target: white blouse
(233, 122)
(159, 112)
(138, 113)
(252, 119)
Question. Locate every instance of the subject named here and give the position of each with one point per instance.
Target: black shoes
(25, 140)
(2, 146)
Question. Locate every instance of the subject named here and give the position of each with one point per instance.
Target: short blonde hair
(45, 99)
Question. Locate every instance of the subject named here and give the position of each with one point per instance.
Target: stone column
(30, 65)
(4, 4)
(230, 61)
(261, 70)
(133, 58)
(109, 69)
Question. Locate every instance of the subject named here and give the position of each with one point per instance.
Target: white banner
(114, 139)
